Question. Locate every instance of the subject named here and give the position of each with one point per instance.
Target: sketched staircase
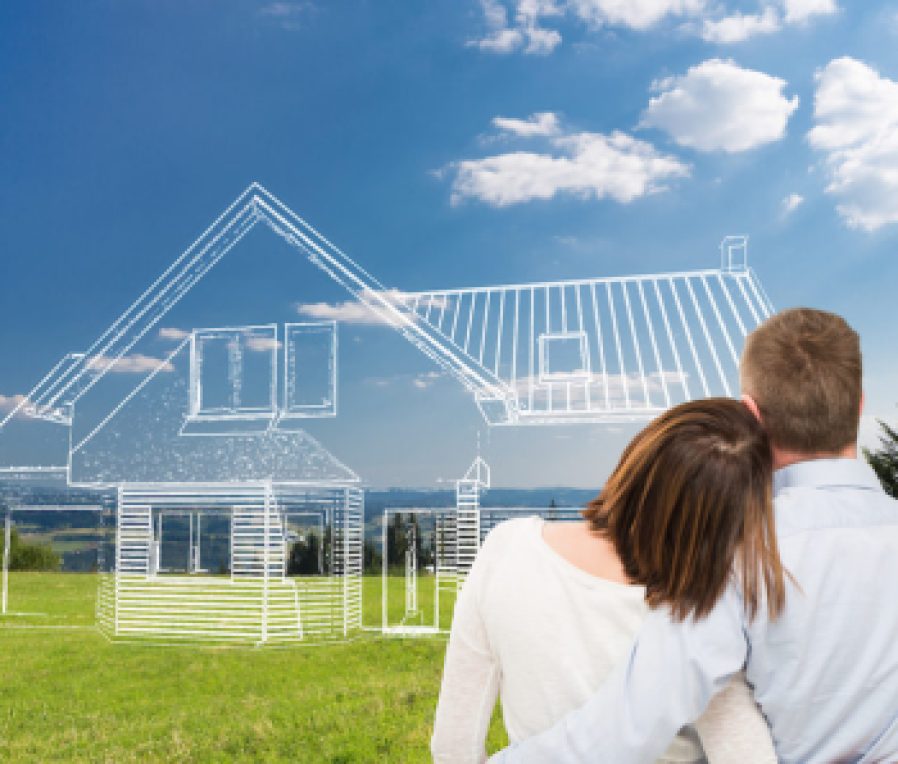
(467, 526)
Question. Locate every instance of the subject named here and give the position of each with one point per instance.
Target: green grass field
(69, 695)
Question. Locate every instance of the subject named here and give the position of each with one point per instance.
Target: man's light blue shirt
(825, 673)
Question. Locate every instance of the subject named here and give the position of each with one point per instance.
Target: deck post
(266, 540)
(7, 538)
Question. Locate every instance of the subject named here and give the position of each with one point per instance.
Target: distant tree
(305, 556)
(372, 558)
(884, 460)
(30, 556)
(399, 533)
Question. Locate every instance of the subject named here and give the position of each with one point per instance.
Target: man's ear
(752, 406)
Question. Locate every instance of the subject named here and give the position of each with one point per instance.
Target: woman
(548, 609)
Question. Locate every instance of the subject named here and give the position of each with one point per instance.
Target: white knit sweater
(543, 634)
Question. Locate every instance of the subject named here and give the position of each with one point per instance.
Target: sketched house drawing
(217, 427)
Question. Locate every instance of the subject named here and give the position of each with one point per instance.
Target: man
(825, 673)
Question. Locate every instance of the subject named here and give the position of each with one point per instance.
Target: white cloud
(129, 364)
(791, 203)
(426, 380)
(635, 14)
(259, 344)
(719, 106)
(799, 11)
(421, 381)
(541, 41)
(501, 41)
(348, 312)
(526, 34)
(9, 402)
(356, 312)
(517, 25)
(856, 129)
(172, 333)
(583, 164)
(494, 13)
(289, 15)
(740, 27)
(540, 123)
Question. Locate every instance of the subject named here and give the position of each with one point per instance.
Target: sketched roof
(591, 350)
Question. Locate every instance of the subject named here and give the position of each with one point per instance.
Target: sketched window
(563, 357)
(233, 372)
(310, 385)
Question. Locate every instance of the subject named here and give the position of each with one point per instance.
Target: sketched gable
(142, 441)
(591, 350)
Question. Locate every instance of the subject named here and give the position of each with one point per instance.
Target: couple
(730, 595)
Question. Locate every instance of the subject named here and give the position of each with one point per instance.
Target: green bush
(25, 556)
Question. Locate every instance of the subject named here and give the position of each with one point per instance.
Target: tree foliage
(400, 532)
(885, 459)
(309, 555)
(372, 559)
(30, 556)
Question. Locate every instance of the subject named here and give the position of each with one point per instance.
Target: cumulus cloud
(523, 29)
(173, 334)
(348, 312)
(540, 123)
(519, 25)
(582, 164)
(10, 402)
(635, 14)
(540, 41)
(719, 106)
(258, 344)
(856, 130)
(740, 27)
(791, 203)
(129, 364)
(357, 312)
(799, 11)
(501, 41)
(525, 34)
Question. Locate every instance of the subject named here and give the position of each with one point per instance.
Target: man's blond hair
(803, 369)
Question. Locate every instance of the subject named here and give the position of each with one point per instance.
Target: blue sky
(449, 144)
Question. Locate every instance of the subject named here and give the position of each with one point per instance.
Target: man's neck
(784, 458)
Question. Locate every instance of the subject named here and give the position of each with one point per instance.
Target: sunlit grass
(69, 694)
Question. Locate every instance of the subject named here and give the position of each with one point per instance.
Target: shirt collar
(817, 473)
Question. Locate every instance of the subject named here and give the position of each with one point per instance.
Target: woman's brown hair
(690, 503)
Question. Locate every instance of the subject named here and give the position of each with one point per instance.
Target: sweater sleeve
(630, 718)
(732, 729)
(470, 678)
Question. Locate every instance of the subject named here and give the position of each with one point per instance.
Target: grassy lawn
(68, 694)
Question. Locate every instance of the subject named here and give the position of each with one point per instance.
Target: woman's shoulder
(508, 537)
(512, 531)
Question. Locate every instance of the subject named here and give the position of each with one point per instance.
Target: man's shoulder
(806, 510)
